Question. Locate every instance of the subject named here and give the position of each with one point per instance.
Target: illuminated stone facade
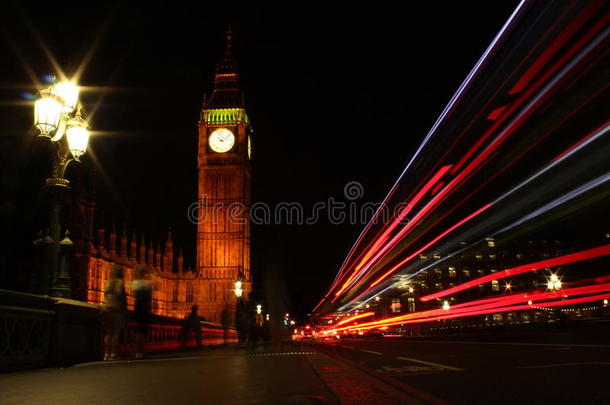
(175, 289)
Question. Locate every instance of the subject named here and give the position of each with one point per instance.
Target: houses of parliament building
(223, 237)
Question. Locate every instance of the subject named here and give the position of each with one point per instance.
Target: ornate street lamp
(58, 118)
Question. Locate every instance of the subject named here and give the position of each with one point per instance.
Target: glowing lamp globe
(238, 290)
(68, 92)
(47, 112)
(78, 136)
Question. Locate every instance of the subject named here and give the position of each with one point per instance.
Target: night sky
(334, 95)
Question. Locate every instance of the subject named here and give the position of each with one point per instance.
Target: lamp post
(58, 118)
(240, 321)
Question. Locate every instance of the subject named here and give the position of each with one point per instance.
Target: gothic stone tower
(223, 230)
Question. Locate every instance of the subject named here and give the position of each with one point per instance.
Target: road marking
(370, 351)
(514, 344)
(587, 363)
(129, 361)
(431, 364)
(407, 370)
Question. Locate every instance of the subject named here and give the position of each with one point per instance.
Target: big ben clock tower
(223, 230)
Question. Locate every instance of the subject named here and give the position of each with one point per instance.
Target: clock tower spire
(223, 229)
(226, 89)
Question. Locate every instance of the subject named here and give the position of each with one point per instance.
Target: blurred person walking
(142, 290)
(241, 321)
(192, 322)
(113, 311)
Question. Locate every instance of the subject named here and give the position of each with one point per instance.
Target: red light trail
(507, 303)
(521, 138)
(526, 268)
(433, 241)
(396, 222)
(355, 317)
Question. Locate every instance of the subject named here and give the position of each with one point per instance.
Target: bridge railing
(166, 334)
(25, 330)
(39, 331)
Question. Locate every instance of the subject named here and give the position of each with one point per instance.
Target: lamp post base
(60, 291)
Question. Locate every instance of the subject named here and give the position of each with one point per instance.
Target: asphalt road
(485, 372)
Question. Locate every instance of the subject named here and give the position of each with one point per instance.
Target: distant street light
(553, 283)
(238, 290)
(446, 305)
(57, 112)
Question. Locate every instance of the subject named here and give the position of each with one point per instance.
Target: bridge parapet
(40, 331)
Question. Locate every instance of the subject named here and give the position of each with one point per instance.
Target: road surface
(484, 372)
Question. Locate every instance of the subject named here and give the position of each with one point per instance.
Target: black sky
(335, 94)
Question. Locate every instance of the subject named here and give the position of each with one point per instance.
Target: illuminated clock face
(249, 148)
(222, 140)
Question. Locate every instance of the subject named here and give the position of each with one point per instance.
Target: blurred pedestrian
(241, 321)
(113, 311)
(142, 289)
(192, 322)
(255, 321)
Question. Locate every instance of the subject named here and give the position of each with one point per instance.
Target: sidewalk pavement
(293, 374)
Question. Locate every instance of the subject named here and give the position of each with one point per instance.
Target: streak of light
(446, 111)
(555, 45)
(90, 52)
(528, 109)
(422, 192)
(353, 318)
(590, 138)
(558, 71)
(559, 201)
(501, 304)
(526, 268)
(433, 241)
(596, 133)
